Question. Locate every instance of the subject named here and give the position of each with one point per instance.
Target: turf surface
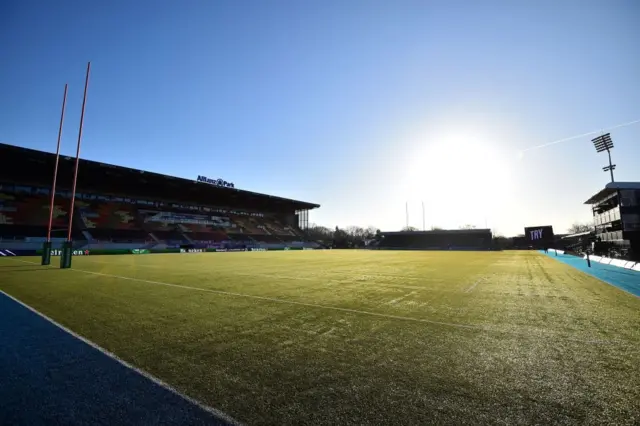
(49, 377)
(624, 279)
(353, 337)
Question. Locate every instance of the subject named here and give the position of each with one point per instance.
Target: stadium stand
(129, 207)
(249, 225)
(167, 225)
(202, 233)
(110, 222)
(462, 239)
(27, 215)
(160, 226)
(576, 243)
(275, 227)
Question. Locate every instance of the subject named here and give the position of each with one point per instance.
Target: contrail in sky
(580, 136)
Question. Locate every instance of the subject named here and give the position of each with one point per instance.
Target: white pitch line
(334, 308)
(398, 299)
(273, 299)
(326, 281)
(124, 363)
(291, 302)
(278, 276)
(474, 285)
(242, 274)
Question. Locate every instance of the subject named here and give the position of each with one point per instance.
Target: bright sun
(458, 170)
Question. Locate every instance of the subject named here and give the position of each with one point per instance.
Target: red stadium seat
(23, 215)
(111, 222)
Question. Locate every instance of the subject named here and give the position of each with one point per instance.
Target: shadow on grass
(22, 268)
(53, 378)
(16, 265)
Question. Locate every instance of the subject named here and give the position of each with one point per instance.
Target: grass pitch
(359, 337)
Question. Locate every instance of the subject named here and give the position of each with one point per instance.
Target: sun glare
(458, 170)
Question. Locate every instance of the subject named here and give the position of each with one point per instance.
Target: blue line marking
(621, 278)
(49, 377)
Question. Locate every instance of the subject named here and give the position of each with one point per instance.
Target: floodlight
(604, 143)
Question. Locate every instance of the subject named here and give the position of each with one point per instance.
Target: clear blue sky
(357, 105)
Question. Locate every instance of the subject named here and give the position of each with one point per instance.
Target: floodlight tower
(604, 143)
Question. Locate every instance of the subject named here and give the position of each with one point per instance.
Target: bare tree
(577, 228)
(468, 226)
(409, 229)
(320, 233)
(501, 242)
(371, 232)
(355, 232)
(348, 237)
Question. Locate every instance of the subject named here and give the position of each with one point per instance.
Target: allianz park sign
(215, 182)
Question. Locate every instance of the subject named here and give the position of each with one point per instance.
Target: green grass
(355, 337)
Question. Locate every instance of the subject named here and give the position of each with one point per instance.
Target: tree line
(356, 236)
(349, 237)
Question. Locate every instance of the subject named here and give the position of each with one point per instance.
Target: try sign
(539, 235)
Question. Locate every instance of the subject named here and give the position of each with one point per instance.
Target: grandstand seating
(24, 215)
(202, 232)
(295, 232)
(249, 225)
(276, 228)
(164, 231)
(289, 238)
(160, 225)
(266, 238)
(265, 229)
(111, 222)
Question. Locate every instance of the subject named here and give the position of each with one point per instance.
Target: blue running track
(624, 279)
(49, 377)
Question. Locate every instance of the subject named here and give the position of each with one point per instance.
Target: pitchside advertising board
(539, 235)
(57, 252)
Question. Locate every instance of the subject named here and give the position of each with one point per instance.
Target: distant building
(616, 218)
(136, 208)
(441, 239)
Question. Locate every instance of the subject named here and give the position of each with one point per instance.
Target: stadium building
(459, 239)
(616, 218)
(128, 208)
